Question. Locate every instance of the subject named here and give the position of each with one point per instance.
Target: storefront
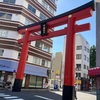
(34, 76)
(85, 84)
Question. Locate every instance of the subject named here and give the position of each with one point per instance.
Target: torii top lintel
(79, 13)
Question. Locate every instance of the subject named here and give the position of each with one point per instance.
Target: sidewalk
(81, 95)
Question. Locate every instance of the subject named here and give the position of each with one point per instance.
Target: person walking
(75, 90)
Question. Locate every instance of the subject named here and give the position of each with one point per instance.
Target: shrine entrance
(69, 18)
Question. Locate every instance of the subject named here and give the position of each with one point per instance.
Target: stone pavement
(82, 95)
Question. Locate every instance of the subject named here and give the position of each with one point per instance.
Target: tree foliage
(93, 56)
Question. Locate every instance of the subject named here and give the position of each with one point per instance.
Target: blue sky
(66, 5)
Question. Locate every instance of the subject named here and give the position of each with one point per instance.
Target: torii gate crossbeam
(68, 18)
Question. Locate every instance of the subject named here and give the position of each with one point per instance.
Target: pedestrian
(75, 89)
(8, 84)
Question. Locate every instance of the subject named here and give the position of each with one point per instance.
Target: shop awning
(94, 71)
(11, 66)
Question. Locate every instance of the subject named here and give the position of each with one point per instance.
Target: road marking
(17, 99)
(11, 97)
(43, 97)
(3, 95)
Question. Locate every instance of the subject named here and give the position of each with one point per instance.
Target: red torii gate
(68, 18)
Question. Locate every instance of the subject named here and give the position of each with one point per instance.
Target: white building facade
(82, 49)
(81, 58)
(14, 13)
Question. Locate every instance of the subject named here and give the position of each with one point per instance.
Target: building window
(38, 44)
(5, 15)
(32, 82)
(42, 16)
(9, 1)
(87, 59)
(49, 64)
(39, 82)
(87, 67)
(46, 63)
(85, 48)
(44, 4)
(79, 48)
(78, 75)
(43, 62)
(1, 52)
(46, 48)
(8, 16)
(36, 60)
(84, 57)
(19, 54)
(84, 66)
(27, 58)
(78, 67)
(31, 8)
(27, 22)
(86, 42)
(53, 1)
(84, 75)
(78, 56)
(51, 10)
(3, 33)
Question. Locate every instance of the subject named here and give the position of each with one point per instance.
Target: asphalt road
(29, 95)
(43, 95)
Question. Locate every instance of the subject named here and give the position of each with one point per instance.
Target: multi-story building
(14, 13)
(81, 61)
(56, 69)
(56, 65)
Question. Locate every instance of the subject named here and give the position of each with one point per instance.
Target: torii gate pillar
(68, 87)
